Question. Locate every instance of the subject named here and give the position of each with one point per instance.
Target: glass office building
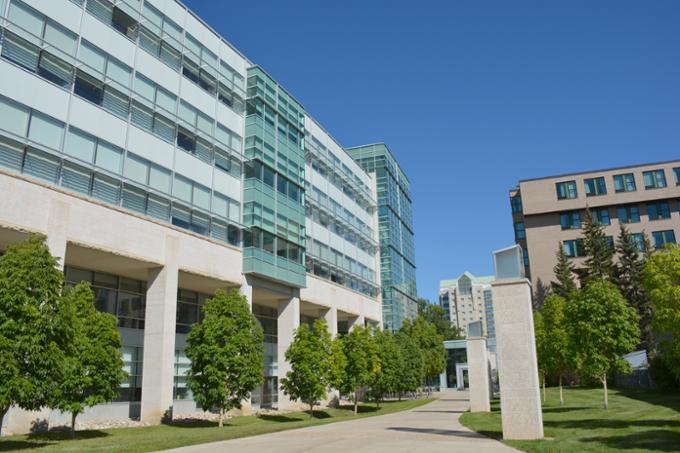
(395, 219)
(163, 165)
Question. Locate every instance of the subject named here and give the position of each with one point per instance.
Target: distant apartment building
(548, 212)
(395, 226)
(467, 299)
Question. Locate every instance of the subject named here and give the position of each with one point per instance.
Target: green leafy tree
(362, 363)
(603, 327)
(411, 370)
(599, 252)
(564, 284)
(93, 367)
(338, 363)
(662, 284)
(391, 365)
(556, 348)
(630, 280)
(436, 315)
(32, 340)
(226, 353)
(310, 357)
(430, 343)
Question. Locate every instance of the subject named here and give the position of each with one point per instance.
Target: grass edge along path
(163, 437)
(636, 421)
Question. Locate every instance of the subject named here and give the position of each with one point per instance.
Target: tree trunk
(73, 424)
(543, 373)
(561, 394)
(221, 422)
(356, 402)
(399, 396)
(311, 409)
(3, 412)
(606, 394)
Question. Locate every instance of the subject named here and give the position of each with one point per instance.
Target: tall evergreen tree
(629, 279)
(564, 284)
(599, 251)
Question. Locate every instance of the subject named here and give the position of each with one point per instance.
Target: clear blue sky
(473, 95)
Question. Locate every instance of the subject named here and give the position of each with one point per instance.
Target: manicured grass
(171, 436)
(635, 421)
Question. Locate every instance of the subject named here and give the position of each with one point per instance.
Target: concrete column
(442, 381)
(517, 367)
(357, 321)
(246, 289)
(159, 337)
(478, 374)
(331, 317)
(56, 230)
(288, 321)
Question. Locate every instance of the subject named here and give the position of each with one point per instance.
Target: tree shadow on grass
(195, 424)
(655, 440)
(667, 399)
(47, 439)
(362, 409)
(287, 418)
(562, 409)
(595, 423)
(13, 445)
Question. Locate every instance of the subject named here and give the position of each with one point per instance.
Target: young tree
(226, 353)
(436, 315)
(662, 284)
(411, 371)
(564, 284)
(603, 327)
(93, 367)
(556, 348)
(630, 280)
(310, 357)
(430, 343)
(599, 264)
(32, 340)
(391, 365)
(541, 348)
(362, 362)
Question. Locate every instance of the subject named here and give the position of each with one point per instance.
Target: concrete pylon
(478, 374)
(287, 322)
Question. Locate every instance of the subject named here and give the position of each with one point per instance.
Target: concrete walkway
(432, 428)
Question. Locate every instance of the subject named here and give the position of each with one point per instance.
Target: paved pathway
(432, 428)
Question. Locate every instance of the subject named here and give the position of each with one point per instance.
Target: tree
(411, 371)
(310, 358)
(430, 343)
(541, 347)
(603, 327)
(32, 340)
(93, 367)
(362, 362)
(564, 284)
(556, 351)
(599, 251)
(662, 284)
(630, 280)
(391, 365)
(226, 353)
(437, 316)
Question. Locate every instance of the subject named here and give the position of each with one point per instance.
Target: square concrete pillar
(331, 317)
(57, 224)
(159, 337)
(288, 320)
(357, 321)
(478, 374)
(517, 366)
(246, 289)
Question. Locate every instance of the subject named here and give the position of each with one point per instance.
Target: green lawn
(635, 421)
(171, 436)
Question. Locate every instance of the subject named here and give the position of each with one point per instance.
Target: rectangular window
(109, 157)
(14, 117)
(566, 190)
(639, 240)
(658, 210)
(45, 130)
(595, 186)
(570, 220)
(573, 248)
(601, 216)
(520, 232)
(654, 179)
(628, 214)
(624, 183)
(676, 170)
(662, 238)
(516, 203)
(41, 165)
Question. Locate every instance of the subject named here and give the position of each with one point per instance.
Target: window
(14, 117)
(566, 189)
(516, 203)
(45, 130)
(595, 186)
(639, 240)
(601, 216)
(654, 179)
(628, 214)
(573, 248)
(624, 182)
(676, 170)
(570, 220)
(658, 210)
(662, 238)
(520, 232)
